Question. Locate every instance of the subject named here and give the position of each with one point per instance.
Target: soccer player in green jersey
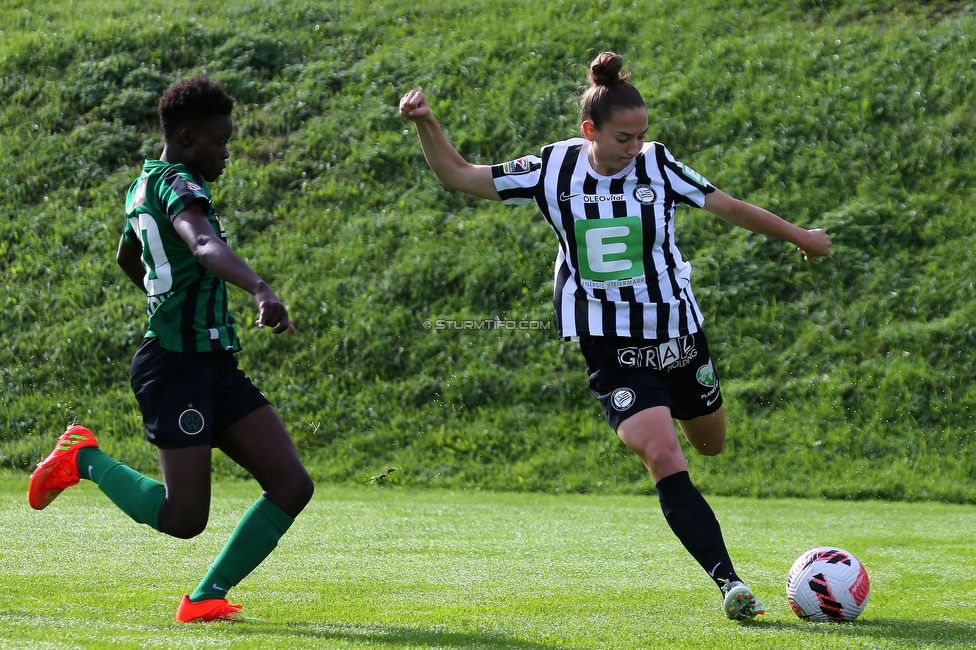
(192, 395)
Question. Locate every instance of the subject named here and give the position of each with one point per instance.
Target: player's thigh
(650, 434)
(186, 475)
(706, 433)
(259, 442)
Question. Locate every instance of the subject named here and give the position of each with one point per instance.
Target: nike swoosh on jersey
(565, 197)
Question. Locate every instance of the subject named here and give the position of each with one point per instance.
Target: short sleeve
(517, 180)
(178, 192)
(688, 184)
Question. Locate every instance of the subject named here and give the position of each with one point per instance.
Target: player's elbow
(126, 255)
(202, 245)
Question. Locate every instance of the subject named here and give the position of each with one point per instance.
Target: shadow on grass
(392, 635)
(891, 629)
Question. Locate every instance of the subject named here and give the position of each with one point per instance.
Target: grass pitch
(368, 567)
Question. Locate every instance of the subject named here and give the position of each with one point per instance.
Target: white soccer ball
(828, 584)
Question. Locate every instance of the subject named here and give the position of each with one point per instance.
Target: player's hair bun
(607, 69)
(609, 90)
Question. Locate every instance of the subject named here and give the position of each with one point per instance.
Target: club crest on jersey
(193, 187)
(645, 194)
(519, 166)
(191, 422)
(622, 399)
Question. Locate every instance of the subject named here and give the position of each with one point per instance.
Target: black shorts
(188, 398)
(629, 375)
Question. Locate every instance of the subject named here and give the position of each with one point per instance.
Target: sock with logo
(693, 521)
(136, 495)
(256, 535)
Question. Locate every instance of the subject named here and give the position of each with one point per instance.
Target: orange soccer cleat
(212, 609)
(60, 469)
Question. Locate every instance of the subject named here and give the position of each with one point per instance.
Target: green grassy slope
(846, 377)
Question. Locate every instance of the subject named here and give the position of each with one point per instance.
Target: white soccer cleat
(740, 604)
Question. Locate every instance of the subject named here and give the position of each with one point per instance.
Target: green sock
(93, 463)
(256, 535)
(136, 495)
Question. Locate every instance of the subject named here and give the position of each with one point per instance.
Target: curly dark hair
(192, 99)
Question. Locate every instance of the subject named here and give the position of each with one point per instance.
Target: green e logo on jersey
(610, 249)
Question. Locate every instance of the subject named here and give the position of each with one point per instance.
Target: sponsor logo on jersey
(622, 399)
(610, 252)
(613, 284)
(603, 198)
(645, 194)
(193, 187)
(520, 166)
(139, 196)
(692, 174)
(153, 302)
(669, 355)
(191, 422)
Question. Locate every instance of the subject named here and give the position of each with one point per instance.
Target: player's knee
(188, 532)
(190, 529)
(293, 494)
(662, 460)
(303, 490)
(710, 447)
(185, 526)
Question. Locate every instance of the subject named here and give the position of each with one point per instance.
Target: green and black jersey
(187, 304)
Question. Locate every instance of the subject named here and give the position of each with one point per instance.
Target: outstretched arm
(812, 243)
(447, 164)
(221, 260)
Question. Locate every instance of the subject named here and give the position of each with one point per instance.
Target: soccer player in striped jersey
(622, 288)
(192, 395)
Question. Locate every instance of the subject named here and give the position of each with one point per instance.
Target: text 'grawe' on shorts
(188, 398)
(629, 375)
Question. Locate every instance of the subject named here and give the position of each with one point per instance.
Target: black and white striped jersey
(618, 270)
